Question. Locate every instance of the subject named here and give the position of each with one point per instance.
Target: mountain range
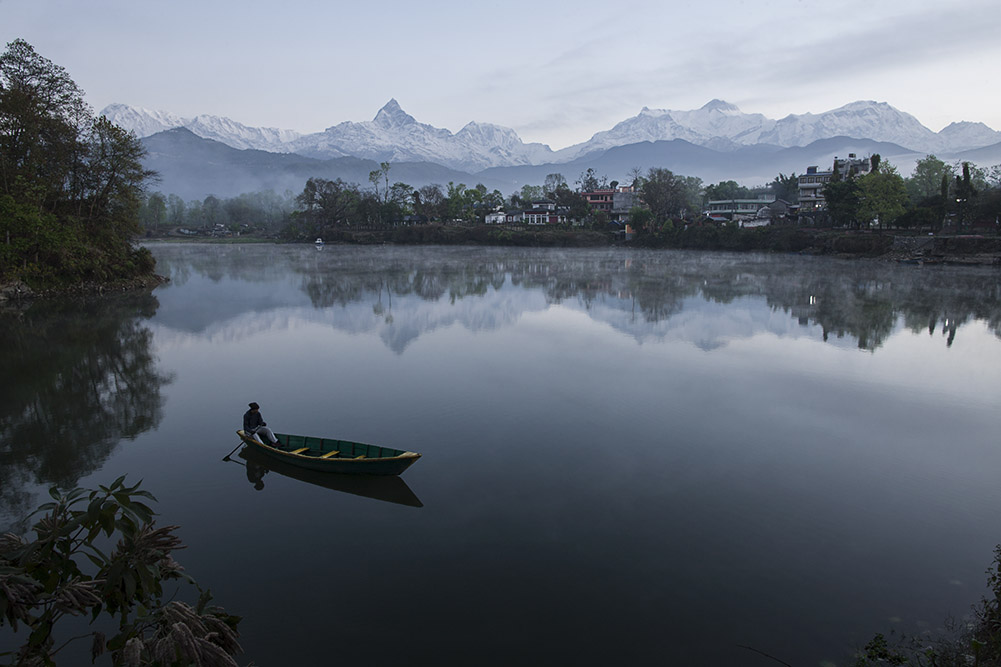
(715, 142)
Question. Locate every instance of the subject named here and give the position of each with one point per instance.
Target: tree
(926, 179)
(175, 210)
(574, 203)
(455, 201)
(635, 178)
(83, 175)
(530, 194)
(42, 114)
(156, 207)
(874, 161)
(725, 190)
(882, 196)
(553, 183)
(640, 218)
(785, 187)
(429, 202)
(324, 204)
(842, 197)
(670, 195)
(380, 186)
(589, 181)
(965, 195)
(62, 572)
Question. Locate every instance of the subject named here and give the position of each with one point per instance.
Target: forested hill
(71, 182)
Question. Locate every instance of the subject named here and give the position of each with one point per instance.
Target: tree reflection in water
(79, 376)
(862, 300)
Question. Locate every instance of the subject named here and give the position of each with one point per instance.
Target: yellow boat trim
(359, 457)
(299, 451)
(329, 454)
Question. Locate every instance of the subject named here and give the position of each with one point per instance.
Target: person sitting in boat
(254, 424)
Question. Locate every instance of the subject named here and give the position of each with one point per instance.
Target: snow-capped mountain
(145, 122)
(860, 120)
(240, 136)
(718, 124)
(967, 136)
(396, 136)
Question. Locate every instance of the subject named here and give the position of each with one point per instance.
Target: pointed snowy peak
(391, 115)
(721, 106)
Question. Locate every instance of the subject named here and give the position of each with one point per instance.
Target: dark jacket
(252, 421)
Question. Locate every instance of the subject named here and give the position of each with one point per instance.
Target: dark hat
(255, 406)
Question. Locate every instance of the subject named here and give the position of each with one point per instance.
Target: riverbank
(901, 247)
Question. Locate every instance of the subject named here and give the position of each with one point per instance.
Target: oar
(226, 458)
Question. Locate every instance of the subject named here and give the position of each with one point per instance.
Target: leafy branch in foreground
(63, 572)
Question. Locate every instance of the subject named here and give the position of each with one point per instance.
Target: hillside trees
(70, 183)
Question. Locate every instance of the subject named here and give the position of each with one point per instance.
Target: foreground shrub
(63, 572)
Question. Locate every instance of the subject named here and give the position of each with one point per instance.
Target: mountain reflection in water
(408, 291)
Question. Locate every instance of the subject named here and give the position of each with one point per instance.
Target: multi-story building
(731, 209)
(600, 200)
(811, 184)
(623, 200)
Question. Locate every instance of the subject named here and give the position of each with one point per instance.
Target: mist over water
(628, 457)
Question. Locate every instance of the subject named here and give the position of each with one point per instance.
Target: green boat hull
(387, 488)
(348, 458)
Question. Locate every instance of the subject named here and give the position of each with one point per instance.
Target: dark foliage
(70, 183)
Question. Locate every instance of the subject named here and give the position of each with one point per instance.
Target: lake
(629, 457)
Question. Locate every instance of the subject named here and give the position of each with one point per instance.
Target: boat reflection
(391, 489)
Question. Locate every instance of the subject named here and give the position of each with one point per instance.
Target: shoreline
(18, 291)
(947, 250)
(907, 248)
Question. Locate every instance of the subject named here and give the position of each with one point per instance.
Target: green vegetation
(977, 644)
(70, 182)
(935, 197)
(64, 572)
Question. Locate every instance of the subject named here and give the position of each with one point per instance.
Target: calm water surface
(629, 457)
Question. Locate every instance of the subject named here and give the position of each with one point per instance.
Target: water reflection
(78, 378)
(409, 291)
(390, 489)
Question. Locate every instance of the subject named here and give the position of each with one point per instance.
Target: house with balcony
(811, 184)
(600, 200)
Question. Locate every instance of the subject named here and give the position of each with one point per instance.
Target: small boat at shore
(331, 455)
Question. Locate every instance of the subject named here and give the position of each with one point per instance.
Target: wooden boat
(330, 455)
(387, 488)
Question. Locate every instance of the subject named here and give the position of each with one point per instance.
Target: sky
(556, 72)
